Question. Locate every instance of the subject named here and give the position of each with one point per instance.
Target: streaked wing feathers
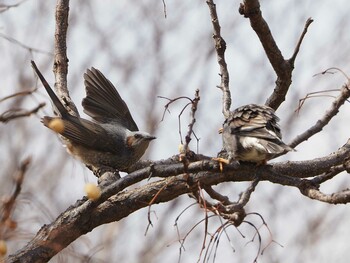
(86, 133)
(256, 121)
(103, 102)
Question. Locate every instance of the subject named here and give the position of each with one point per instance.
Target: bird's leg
(223, 158)
(221, 162)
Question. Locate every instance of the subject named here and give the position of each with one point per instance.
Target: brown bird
(251, 133)
(112, 140)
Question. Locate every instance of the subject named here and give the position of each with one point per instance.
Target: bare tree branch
(335, 170)
(61, 61)
(329, 114)
(342, 197)
(120, 198)
(297, 48)
(115, 204)
(282, 67)
(9, 204)
(19, 113)
(220, 47)
(4, 7)
(20, 44)
(21, 93)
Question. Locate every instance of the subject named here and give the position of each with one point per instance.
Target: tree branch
(342, 197)
(297, 48)
(10, 203)
(19, 113)
(61, 61)
(282, 67)
(115, 204)
(329, 114)
(220, 48)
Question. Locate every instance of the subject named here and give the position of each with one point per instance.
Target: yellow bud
(56, 125)
(181, 148)
(92, 191)
(3, 248)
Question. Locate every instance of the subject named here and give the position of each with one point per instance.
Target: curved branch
(342, 197)
(116, 204)
(282, 67)
(220, 47)
(329, 114)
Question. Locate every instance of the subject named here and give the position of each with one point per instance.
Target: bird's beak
(220, 130)
(150, 138)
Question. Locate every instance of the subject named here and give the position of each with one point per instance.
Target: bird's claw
(221, 162)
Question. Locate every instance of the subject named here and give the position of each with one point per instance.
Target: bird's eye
(137, 136)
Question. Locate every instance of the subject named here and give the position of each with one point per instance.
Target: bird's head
(139, 141)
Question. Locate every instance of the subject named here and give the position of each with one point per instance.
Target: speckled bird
(251, 133)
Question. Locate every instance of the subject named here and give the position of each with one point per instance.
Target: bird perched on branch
(112, 139)
(251, 133)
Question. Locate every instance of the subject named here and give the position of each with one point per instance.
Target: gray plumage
(112, 140)
(251, 133)
(103, 103)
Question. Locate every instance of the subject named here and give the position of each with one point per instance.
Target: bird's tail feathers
(56, 101)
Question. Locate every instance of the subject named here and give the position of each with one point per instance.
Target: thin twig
(215, 195)
(316, 94)
(245, 196)
(193, 120)
(19, 113)
(297, 48)
(9, 204)
(328, 71)
(20, 44)
(21, 93)
(164, 8)
(329, 114)
(317, 180)
(4, 7)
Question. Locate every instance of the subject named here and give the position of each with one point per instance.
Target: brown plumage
(112, 140)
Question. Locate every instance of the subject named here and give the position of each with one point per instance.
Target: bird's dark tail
(56, 101)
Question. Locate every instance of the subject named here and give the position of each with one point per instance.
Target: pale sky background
(146, 55)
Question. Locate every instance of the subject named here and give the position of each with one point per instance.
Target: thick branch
(61, 61)
(282, 67)
(115, 204)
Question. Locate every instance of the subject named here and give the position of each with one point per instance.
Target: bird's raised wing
(103, 102)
